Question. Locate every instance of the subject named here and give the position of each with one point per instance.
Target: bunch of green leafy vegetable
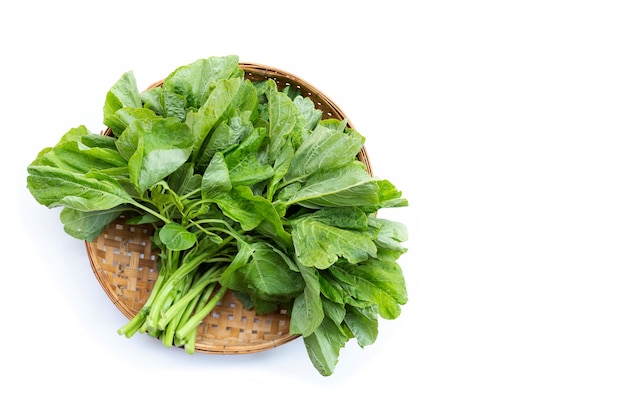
(249, 189)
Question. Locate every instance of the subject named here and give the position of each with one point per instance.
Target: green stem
(194, 204)
(190, 344)
(191, 194)
(135, 324)
(149, 210)
(186, 267)
(189, 309)
(228, 230)
(169, 335)
(195, 320)
(207, 278)
(167, 332)
(205, 296)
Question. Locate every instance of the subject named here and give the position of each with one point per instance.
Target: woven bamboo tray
(126, 267)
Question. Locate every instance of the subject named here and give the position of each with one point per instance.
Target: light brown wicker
(125, 266)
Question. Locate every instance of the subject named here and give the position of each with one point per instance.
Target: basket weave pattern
(126, 267)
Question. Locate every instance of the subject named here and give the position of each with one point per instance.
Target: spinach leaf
(307, 312)
(72, 154)
(57, 187)
(348, 185)
(195, 81)
(253, 212)
(184, 180)
(201, 122)
(334, 291)
(324, 344)
(268, 276)
(74, 157)
(123, 93)
(389, 234)
(262, 273)
(345, 217)
(94, 140)
(88, 225)
(161, 147)
(323, 149)
(283, 114)
(363, 324)
(245, 165)
(388, 197)
(334, 311)
(177, 237)
(318, 244)
(216, 179)
(308, 114)
(119, 121)
(376, 281)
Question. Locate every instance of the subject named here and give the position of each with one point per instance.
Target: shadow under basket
(126, 268)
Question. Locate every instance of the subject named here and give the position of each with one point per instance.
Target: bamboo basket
(126, 267)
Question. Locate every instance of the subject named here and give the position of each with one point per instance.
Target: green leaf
(324, 149)
(389, 234)
(153, 100)
(229, 278)
(162, 196)
(162, 146)
(281, 165)
(176, 237)
(165, 103)
(202, 121)
(363, 323)
(307, 312)
(307, 112)
(283, 115)
(245, 103)
(119, 121)
(244, 164)
(264, 274)
(216, 179)
(182, 180)
(251, 211)
(146, 218)
(174, 105)
(343, 217)
(79, 151)
(88, 225)
(377, 281)
(324, 345)
(269, 277)
(73, 156)
(333, 290)
(349, 185)
(320, 245)
(94, 140)
(334, 311)
(123, 93)
(221, 139)
(75, 134)
(388, 196)
(57, 187)
(194, 81)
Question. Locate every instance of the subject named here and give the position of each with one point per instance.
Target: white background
(504, 124)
